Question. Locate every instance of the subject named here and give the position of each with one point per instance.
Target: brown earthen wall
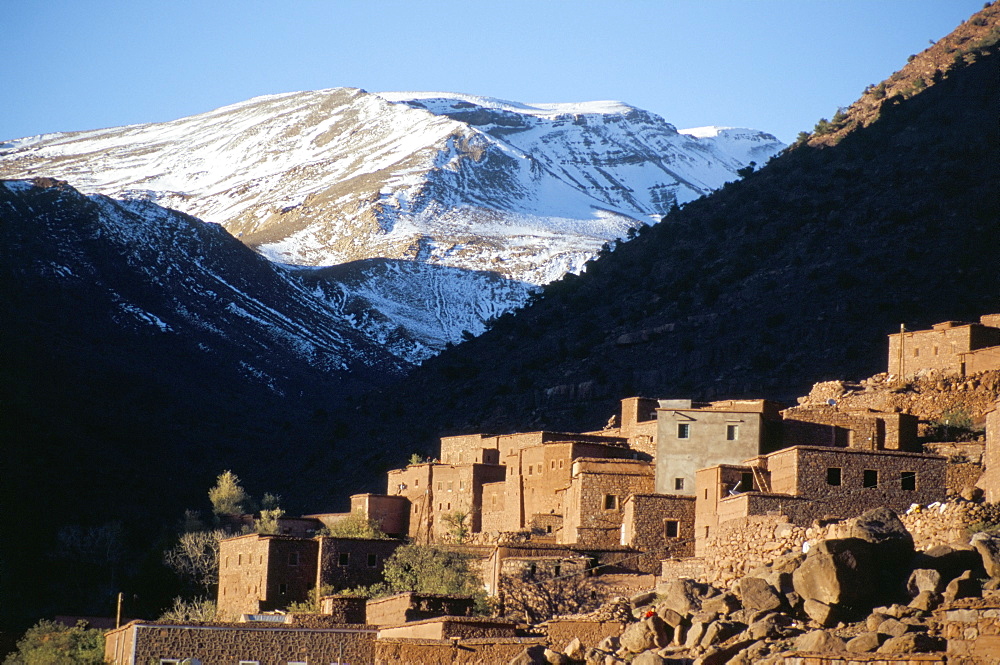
(362, 564)
(645, 521)
(461, 652)
(562, 631)
(226, 644)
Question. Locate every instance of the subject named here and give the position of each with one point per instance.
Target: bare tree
(536, 597)
(195, 558)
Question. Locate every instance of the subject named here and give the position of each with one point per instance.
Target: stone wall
(990, 482)
(660, 522)
(972, 629)
(261, 573)
(403, 607)
(345, 563)
(744, 544)
(344, 609)
(947, 522)
(867, 659)
(595, 499)
(224, 644)
(590, 632)
(393, 651)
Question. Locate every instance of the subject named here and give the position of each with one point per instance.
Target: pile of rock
(865, 589)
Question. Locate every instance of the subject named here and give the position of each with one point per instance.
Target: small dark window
(706, 532)
(293, 558)
(732, 432)
(344, 559)
(870, 478)
(372, 561)
(683, 430)
(833, 476)
(672, 527)
(531, 570)
(746, 482)
(556, 570)
(610, 502)
(678, 483)
(548, 528)
(908, 480)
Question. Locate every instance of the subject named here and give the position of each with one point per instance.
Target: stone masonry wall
(947, 522)
(220, 644)
(391, 651)
(744, 544)
(973, 632)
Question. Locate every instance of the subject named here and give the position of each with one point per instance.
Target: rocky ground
(867, 590)
(933, 398)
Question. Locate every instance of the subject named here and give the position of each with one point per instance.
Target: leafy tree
(428, 569)
(51, 643)
(746, 170)
(458, 525)
(355, 525)
(195, 558)
(227, 496)
(187, 611)
(267, 523)
(415, 458)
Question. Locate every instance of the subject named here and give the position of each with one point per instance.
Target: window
(440, 485)
(548, 528)
(531, 570)
(916, 353)
(552, 464)
(239, 560)
(706, 532)
(416, 483)
(450, 484)
(282, 589)
(746, 482)
(706, 493)
(833, 476)
(539, 469)
(610, 502)
(678, 483)
(461, 485)
(672, 528)
(344, 559)
(908, 480)
(372, 560)
(870, 478)
(935, 350)
(683, 430)
(732, 432)
(560, 464)
(556, 570)
(530, 469)
(293, 558)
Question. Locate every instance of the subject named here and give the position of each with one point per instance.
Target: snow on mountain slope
(526, 191)
(148, 273)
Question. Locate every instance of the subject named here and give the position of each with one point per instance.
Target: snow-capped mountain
(322, 178)
(135, 274)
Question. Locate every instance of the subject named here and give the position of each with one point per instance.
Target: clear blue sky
(776, 65)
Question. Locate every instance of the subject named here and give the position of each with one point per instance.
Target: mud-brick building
(808, 482)
(141, 643)
(261, 573)
(864, 429)
(989, 482)
(595, 499)
(662, 523)
(950, 348)
(692, 436)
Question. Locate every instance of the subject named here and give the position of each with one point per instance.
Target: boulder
(837, 572)
(556, 658)
(924, 579)
(757, 594)
(824, 615)
(926, 601)
(963, 586)
(649, 658)
(770, 626)
(988, 548)
(671, 617)
(951, 561)
(718, 632)
(647, 634)
(641, 599)
(722, 654)
(574, 650)
(721, 605)
(694, 634)
(892, 627)
(875, 620)
(892, 546)
(865, 643)
(912, 643)
(684, 596)
(819, 641)
(534, 655)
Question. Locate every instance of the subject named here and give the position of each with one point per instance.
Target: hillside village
(727, 531)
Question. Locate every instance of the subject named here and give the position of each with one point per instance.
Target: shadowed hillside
(793, 275)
